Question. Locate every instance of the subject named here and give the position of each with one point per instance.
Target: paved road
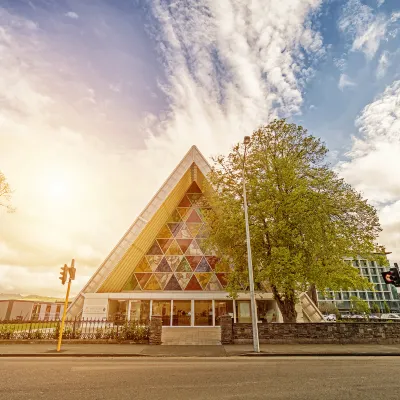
(324, 378)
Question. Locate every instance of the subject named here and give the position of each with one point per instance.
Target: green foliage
(135, 331)
(303, 218)
(359, 306)
(329, 308)
(386, 308)
(375, 308)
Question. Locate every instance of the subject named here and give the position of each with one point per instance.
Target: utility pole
(254, 322)
(65, 271)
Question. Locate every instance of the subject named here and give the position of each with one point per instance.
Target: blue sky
(100, 100)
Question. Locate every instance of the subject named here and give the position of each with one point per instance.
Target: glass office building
(383, 293)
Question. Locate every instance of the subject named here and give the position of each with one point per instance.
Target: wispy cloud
(345, 81)
(365, 28)
(383, 64)
(374, 165)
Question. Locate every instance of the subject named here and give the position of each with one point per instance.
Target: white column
(213, 312)
(192, 313)
(151, 308)
(172, 312)
(234, 311)
(129, 310)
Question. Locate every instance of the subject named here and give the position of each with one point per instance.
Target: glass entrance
(182, 313)
(140, 310)
(243, 311)
(203, 313)
(163, 308)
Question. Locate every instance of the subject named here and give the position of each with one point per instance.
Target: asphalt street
(328, 378)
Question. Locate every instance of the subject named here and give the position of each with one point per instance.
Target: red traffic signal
(63, 274)
(392, 277)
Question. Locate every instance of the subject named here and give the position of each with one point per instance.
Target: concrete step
(191, 335)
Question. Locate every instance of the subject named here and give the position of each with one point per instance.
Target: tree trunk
(287, 306)
(312, 293)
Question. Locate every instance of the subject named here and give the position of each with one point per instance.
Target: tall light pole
(256, 344)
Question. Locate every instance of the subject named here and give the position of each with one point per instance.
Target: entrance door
(182, 313)
(243, 311)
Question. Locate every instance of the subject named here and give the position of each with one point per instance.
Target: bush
(6, 333)
(135, 331)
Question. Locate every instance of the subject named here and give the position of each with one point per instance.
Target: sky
(99, 101)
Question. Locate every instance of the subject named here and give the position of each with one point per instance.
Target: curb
(397, 354)
(254, 355)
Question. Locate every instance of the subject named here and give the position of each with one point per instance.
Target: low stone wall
(318, 333)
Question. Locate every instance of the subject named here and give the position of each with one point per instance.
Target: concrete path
(141, 350)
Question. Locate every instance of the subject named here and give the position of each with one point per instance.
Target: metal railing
(75, 329)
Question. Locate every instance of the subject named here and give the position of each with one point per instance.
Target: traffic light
(392, 277)
(63, 274)
(72, 271)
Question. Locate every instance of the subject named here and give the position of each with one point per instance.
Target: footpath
(143, 350)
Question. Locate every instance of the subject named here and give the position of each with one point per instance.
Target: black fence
(75, 329)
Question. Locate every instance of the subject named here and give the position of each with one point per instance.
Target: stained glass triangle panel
(164, 233)
(193, 261)
(175, 217)
(193, 217)
(175, 227)
(164, 244)
(153, 261)
(163, 266)
(194, 249)
(152, 284)
(184, 233)
(154, 250)
(184, 266)
(203, 266)
(193, 284)
(194, 188)
(185, 202)
(222, 278)
(173, 261)
(132, 284)
(203, 232)
(142, 278)
(173, 284)
(143, 266)
(212, 261)
(183, 278)
(214, 284)
(194, 228)
(184, 243)
(163, 279)
(183, 212)
(203, 278)
(174, 249)
(194, 198)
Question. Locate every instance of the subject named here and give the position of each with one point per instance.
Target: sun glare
(58, 189)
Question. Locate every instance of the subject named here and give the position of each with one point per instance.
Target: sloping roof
(177, 182)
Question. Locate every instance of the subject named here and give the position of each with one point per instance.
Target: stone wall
(336, 332)
(155, 330)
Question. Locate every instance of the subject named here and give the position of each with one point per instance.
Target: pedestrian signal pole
(65, 270)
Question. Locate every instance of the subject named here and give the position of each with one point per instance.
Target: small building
(25, 310)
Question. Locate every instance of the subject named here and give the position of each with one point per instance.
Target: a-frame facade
(161, 265)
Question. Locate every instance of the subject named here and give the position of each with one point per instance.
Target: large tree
(303, 218)
(5, 193)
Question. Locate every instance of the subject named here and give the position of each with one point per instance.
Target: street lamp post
(256, 344)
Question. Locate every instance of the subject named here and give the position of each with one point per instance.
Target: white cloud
(383, 64)
(340, 63)
(71, 14)
(365, 28)
(374, 163)
(380, 2)
(230, 66)
(344, 82)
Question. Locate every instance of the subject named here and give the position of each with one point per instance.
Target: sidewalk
(142, 350)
